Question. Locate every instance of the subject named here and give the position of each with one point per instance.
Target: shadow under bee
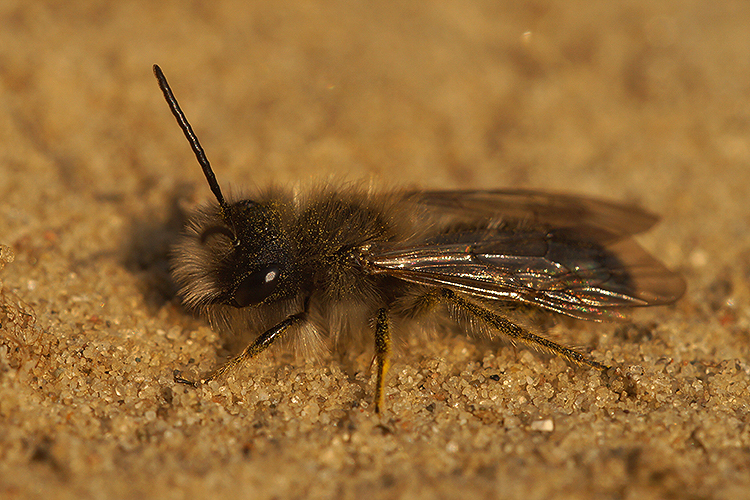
(149, 245)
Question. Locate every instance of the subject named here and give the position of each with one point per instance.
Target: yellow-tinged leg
(259, 345)
(382, 355)
(516, 333)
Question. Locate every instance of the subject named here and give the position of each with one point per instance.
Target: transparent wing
(555, 210)
(585, 273)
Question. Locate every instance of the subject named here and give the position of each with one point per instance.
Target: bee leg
(259, 345)
(382, 354)
(516, 333)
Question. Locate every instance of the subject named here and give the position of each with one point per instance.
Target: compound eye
(216, 230)
(256, 287)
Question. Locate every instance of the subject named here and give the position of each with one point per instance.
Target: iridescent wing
(554, 210)
(575, 258)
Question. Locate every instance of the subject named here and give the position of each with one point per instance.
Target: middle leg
(382, 354)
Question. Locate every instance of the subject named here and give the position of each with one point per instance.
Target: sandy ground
(642, 102)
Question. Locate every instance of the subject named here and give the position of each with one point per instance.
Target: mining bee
(320, 263)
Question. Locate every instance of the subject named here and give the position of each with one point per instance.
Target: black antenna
(189, 135)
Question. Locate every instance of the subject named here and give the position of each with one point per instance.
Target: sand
(642, 103)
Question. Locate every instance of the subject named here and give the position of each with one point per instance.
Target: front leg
(259, 345)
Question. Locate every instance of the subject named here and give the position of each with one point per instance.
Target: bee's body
(310, 264)
(314, 239)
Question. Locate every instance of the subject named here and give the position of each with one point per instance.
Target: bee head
(237, 255)
(231, 253)
(255, 256)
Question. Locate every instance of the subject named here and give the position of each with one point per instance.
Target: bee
(321, 262)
